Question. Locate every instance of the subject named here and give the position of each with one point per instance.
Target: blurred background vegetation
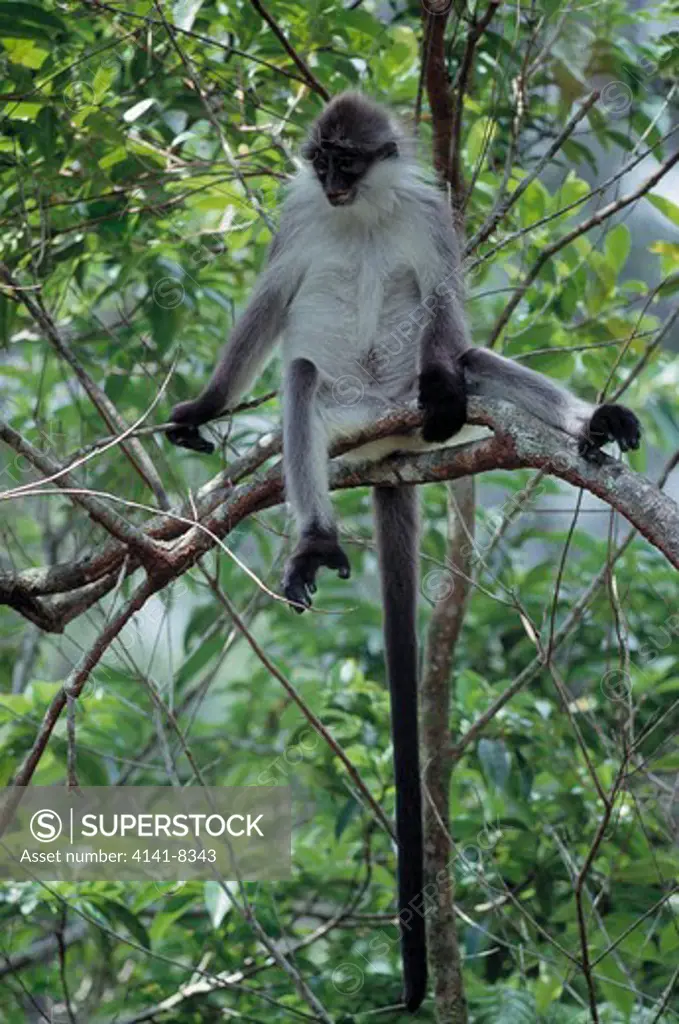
(144, 150)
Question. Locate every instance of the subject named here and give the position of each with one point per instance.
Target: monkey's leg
(442, 386)
(305, 457)
(396, 519)
(493, 376)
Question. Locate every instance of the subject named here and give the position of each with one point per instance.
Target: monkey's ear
(308, 149)
(387, 150)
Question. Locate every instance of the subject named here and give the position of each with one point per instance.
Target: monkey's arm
(253, 337)
(442, 383)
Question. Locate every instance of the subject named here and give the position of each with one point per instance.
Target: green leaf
(547, 990)
(18, 9)
(615, 985)
(572, 190)
(120, 914)
(617, 246)
(669, 256)
(495, 760)
(203, 654)
(29, 21)
(666, 207)
(480, 138)
(26, 52)
(533, 203)
(670, 286)
(217, 902)
(538, 335)
(344, 817)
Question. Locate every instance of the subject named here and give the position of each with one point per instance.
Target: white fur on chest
(358, 268)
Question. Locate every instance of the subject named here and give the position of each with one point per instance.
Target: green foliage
(139, 207)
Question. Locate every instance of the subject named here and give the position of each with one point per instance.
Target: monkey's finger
(295, 590)
(298, 603)
(338, 561)
(343, 567)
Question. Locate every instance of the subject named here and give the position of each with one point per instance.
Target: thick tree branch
(519, 441)
(452, 589)
(438, 88)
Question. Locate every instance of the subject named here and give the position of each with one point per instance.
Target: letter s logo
(46, 826)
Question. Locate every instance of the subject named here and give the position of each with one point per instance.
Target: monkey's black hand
(443, 400)
(186, 434)
(610, 423)
(314, 550)
(190, 437)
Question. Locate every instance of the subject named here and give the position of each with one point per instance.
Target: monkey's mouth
(341, 198)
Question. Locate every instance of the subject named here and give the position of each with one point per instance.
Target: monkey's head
(350, 137)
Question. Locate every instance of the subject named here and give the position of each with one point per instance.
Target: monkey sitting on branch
(366, 243)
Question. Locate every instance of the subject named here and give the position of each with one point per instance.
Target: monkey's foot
(610, 423)
(443, 400)
(186, 436)
(316, 548)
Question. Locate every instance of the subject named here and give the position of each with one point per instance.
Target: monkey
(363, 287)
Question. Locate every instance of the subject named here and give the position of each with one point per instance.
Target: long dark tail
(397, 530)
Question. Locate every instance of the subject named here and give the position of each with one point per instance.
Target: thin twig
(73, 686)
(505, 203)
(102, 403)
(298, 61)
(453, 165)
(579, 229)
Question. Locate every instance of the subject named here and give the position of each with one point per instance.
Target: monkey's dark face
(340, 169)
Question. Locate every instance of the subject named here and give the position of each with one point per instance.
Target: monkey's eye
(320, 161)
(351, 165)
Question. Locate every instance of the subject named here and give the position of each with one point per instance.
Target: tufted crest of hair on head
(352, 121)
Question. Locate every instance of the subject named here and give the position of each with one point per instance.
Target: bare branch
(72, 687)
(435, 701)
(138, 541)
(504, 204)
(532, 670)
(520, 441)
(102, 403)
(298, 61)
